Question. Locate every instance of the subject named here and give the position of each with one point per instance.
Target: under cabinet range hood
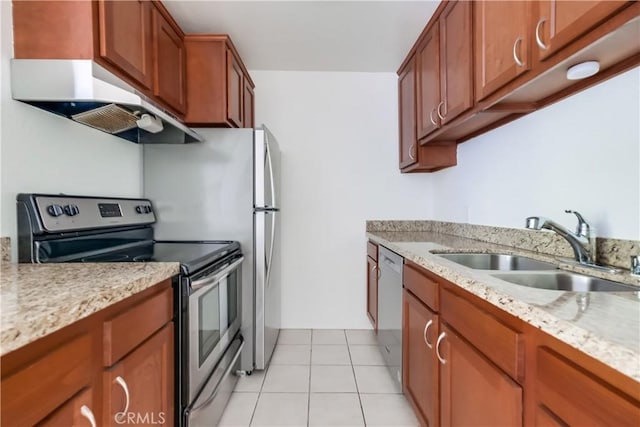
(87, 93)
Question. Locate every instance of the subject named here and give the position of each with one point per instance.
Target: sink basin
(564, 281)
(498, 262)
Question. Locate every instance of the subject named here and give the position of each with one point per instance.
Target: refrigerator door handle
(274, 202)
(273, 239)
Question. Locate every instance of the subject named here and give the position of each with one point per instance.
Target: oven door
(214, 318)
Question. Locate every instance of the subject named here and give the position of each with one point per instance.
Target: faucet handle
(583, 227)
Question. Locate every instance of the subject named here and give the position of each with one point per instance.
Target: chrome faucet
(583, 241)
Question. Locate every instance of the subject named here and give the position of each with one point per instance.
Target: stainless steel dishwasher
(390, 312)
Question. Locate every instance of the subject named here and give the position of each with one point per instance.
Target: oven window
(232, 297)
(208, 323)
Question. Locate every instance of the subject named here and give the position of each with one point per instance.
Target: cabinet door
(574, 397)
(456, 56)
(429, 99)
(235, 90)
(125, 38)
(141, 386)
(474, 392)
(76, 412)
(560, 22)
(372, 291)
(420, 364)
(502, 39)
(248, 105)
(169, 64)
(407, 112)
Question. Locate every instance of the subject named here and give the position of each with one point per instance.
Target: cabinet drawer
(131, 327)
(35, 391)
(501, 344)
(421, 286)
(372, 250)
(577, 398)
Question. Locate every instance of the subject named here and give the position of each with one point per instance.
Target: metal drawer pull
(440, 338)
(433, 122)
(411, 155)
(426, 331)
(439, 112)
(376, 270)
(120, 416)
(515, 52)
(88, 414)
(538, 38)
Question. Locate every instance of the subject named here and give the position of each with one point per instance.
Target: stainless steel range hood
(85, 92)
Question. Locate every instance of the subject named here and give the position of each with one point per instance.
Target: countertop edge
(22, 331)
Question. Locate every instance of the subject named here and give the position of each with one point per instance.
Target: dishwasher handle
(390, 260)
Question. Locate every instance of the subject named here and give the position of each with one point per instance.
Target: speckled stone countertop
(38, 299)
(604, 325)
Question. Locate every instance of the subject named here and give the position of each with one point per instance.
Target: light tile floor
(320, 378)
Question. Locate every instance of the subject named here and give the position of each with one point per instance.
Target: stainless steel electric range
(207, 293)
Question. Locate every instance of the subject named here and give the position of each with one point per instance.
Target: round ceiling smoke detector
(583, 70)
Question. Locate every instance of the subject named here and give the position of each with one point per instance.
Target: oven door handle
(216, 277)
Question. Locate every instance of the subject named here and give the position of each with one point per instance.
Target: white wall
(338, 137)
(45, 153)
(582, 153)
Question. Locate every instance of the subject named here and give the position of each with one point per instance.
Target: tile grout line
(309, 388)
(255, 407)
(355, 380)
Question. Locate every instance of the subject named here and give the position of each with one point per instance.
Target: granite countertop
(38, 299)
(608, 329)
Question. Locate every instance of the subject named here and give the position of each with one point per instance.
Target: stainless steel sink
(498, 262)
(564, 281)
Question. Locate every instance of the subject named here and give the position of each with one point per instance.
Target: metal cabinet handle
(411, 149)
(538, 37)
(86, 412)
(516, 45)
(376, 270)
(426, 331)
(119, 417)
(439, 112)
(433, 122)
(440, 338)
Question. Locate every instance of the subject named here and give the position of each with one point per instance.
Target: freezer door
(267, 297)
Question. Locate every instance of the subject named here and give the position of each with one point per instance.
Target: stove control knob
(143, 209)
(55, 210)
(71, 210)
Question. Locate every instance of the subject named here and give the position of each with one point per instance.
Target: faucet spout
(582, 242)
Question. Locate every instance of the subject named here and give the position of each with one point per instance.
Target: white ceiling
(366, 36)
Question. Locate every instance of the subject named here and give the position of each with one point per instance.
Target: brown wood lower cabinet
(74, 375)
(473, 391)
(420, 370)
(137, 390)
(468, 363)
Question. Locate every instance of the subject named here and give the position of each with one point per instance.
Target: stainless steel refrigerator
(227, 188)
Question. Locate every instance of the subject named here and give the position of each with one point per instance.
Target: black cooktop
(192, 255)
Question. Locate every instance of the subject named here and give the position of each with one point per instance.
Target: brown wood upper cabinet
(445, 72)
(136, 40)
(559, 22)
(219, 88)
(169, 62)
(413, 156)
(126, 38)
(484, 63)
(502, 43)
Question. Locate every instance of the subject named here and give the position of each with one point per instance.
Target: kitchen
(525, 168)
